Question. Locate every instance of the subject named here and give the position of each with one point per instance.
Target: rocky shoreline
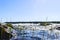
(4, 35)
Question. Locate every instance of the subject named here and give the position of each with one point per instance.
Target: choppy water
(36, 35)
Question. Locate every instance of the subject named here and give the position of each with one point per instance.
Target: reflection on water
(36, 35)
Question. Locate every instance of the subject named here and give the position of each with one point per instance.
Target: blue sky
(30, 10)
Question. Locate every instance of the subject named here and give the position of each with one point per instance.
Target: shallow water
(36, 35)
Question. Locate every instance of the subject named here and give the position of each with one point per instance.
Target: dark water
(35, 35)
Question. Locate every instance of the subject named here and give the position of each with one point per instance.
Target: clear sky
(29, 10)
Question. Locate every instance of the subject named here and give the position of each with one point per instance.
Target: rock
(4, 35)
(58, 28)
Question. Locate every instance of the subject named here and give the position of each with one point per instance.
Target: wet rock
(58, 28)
